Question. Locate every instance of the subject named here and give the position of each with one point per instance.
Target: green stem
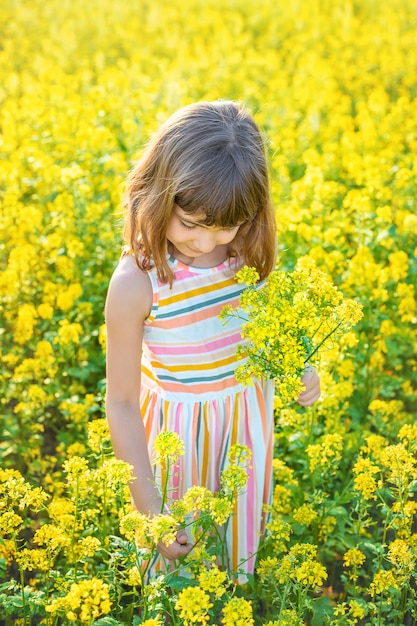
(322, 342)
(74, 563)
(104, 517)
(165, 485)
(172, 613)
(22, 583)
(283, 600)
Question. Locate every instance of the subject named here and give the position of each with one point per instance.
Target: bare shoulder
(129, 296)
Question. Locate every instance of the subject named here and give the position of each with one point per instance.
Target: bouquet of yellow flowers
(287, 319)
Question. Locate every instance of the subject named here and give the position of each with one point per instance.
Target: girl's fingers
(182, 537)
(175, 550)
(307, 400)
(311, 381)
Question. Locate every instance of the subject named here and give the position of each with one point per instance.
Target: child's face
(192, 238)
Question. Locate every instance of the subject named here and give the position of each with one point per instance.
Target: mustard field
(333, 85)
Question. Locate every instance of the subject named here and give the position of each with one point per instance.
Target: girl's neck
(216, 257)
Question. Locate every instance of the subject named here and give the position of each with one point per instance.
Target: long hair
(207, 158)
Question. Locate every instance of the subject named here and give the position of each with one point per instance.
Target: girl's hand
(311, 381)
(179, 548)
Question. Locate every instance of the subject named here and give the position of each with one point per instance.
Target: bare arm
(129, 300)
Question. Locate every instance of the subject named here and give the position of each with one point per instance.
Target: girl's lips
(194, 251)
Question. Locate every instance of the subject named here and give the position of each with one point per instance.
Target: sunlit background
(333, 85)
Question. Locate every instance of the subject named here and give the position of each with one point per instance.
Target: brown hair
(208, 158)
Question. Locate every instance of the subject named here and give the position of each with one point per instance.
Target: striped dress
(188, 386)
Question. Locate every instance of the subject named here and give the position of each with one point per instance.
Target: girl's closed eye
(188, 226)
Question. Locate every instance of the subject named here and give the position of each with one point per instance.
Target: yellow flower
(409, 433)
(45, 311)
(25, 323)
(282, 472)
(221, 508)
(288, 617)
(163, 528)
(75, 467)
(76, 449)
(135, 527)
(133, 577)
(8, 550)
(193, 605)
(114, 473)
(282, 499)
(238, 612)
(197, 499)
(311, 574)
(51, 536)
(247, 275)
(98, 435)
(279, 529)
(168, 445)
(353, 558)
(366, 485)
(326, 526)
(68, 333)
(357, 609)
(233, 479)
(266, 567)
(61, 511)
(375, 446)
(400, 465)
(383, 580)
(213, 581)
(65, 299)
(10, 523)
(30, 560)
(288, 319)
(87, 547)
(398, 261)
(400, 555)
(34, 498)
(305, 514)
(85, 601)
(325, 456)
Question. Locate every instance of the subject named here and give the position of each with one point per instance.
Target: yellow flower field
(333, 84)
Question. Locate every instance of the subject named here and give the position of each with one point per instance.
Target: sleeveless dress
(188, 386)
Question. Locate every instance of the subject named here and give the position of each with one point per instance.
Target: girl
(198, 208)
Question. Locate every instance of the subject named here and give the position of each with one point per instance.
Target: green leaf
(321, 608)
(181, 582)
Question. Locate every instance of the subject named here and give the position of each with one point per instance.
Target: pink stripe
(215, 470)
(176, 473)
(194, 469)
(212, 345)
(251, 487)
(186, 319)
(180, 274)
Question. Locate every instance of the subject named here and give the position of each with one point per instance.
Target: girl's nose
(205, 242)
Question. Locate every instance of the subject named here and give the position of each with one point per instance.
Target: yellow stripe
(187, 295)
(147, 372)
(165, 410)
(235, 526)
